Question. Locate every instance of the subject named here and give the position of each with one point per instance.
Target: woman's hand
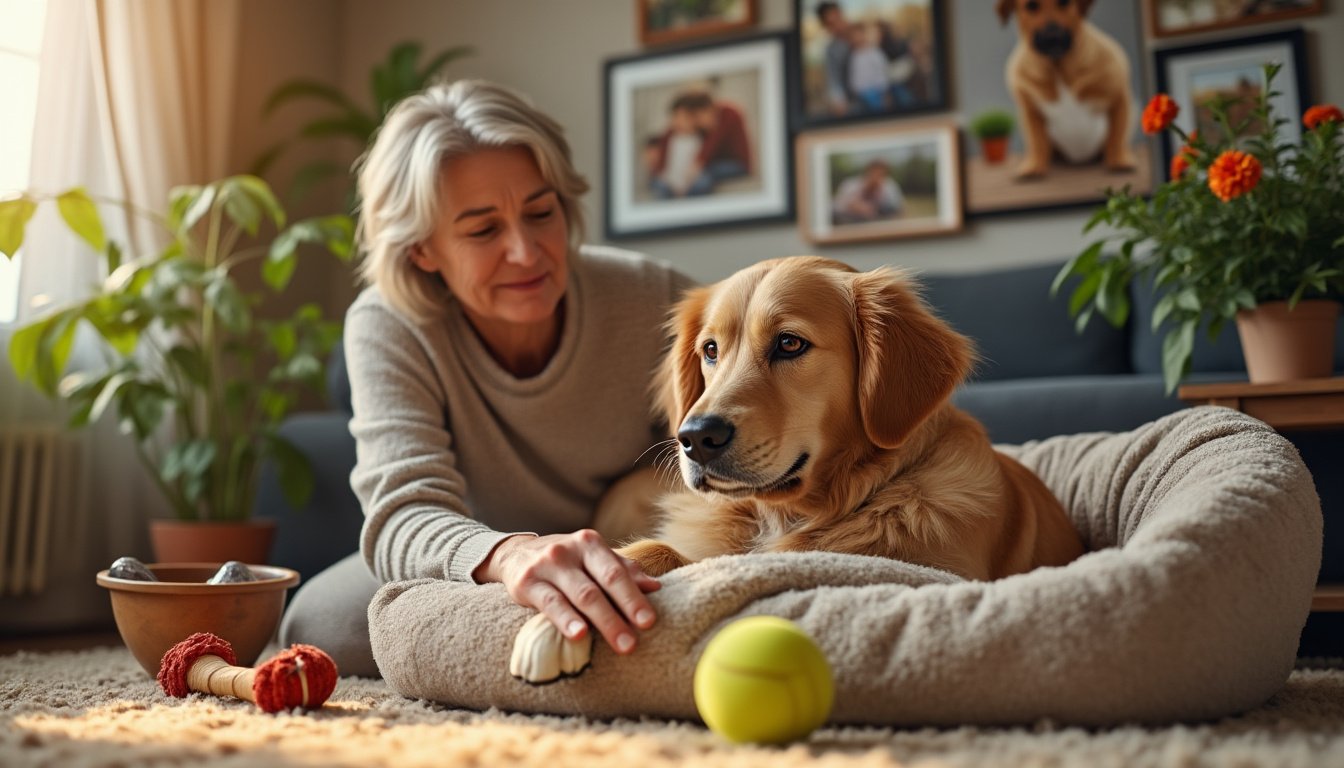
(573, 576)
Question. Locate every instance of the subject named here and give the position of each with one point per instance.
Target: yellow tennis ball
(762, 679)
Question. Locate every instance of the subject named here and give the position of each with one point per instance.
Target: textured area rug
(98, 708)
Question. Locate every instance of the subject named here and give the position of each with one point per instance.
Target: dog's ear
(909, 360)
(1084, 6)
(678, 383)
(1005, 9)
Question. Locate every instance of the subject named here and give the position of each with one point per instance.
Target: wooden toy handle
(211, 674)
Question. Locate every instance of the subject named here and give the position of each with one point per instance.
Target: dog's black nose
(705, 437)
(1052, 41)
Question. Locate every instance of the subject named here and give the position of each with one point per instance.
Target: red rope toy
(299, 676)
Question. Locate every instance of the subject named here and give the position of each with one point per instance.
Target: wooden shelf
(1305, 404)
(1328, 597)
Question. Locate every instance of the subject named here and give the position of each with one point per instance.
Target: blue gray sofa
(1037, 378)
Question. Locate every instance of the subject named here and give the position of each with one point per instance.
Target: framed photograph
(1195, 76)
(878, 182)
(1035, 143)
(1180, 17)
(698, 137)
(868, 59)
(674, 21)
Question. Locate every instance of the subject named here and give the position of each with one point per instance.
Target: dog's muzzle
(1052, 41)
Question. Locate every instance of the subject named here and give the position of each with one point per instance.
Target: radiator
(38, 482)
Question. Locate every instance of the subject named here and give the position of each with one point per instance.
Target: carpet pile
(97, 707)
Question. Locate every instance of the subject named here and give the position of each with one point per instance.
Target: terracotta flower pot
(1286, 345)
(995, 149)
(188, 541)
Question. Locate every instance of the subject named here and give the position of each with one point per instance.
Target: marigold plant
(1243, 219)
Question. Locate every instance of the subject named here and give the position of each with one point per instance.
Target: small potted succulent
(196, 380)
(993, 127)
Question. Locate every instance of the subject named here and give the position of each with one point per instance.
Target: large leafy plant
(1239, 223)
(392, 80)
(191, 373)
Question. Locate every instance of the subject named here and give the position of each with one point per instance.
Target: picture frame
(697, 137)
(1193, 74)
(900, 68)
(1167, 18)
(662, 22)
(1050, 161)
(879, 182)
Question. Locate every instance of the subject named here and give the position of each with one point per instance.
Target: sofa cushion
(338, 382)
(1019, 329)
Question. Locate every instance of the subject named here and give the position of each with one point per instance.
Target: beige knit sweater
(455, 453)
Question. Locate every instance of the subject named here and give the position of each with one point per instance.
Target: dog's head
(786, 366)
(1048, 26)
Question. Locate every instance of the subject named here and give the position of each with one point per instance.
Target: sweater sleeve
(416, 523)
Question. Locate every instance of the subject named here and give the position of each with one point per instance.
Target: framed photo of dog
(1194, 76)
(1035, 142)
(878, 182)
(698, 137)
(675, 21)
(1182, 17)
(868, 59)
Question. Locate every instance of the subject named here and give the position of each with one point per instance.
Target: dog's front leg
(1037, 141)
(1118, 156)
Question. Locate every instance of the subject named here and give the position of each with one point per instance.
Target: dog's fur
(1062, 58)
(851, 446)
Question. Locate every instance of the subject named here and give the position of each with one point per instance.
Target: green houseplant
(190, 373)
(993, 127)
(390, 81)
(1243, 228)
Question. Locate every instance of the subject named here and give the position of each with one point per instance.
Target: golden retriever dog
(1070, 81)
(811, 408)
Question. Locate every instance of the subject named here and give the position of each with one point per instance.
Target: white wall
(554, 50)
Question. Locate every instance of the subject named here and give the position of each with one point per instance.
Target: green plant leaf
(259, 192)
(14, 216)
(239, 206)
(196, 206)
(23, 348)
(81, 216)
(1081, 264)
(297, 90)
(1084, 293)
(107, 393)
(1177, 347)
(354, 127)
(277, 271)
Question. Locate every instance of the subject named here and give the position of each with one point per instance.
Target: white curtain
(134, 97)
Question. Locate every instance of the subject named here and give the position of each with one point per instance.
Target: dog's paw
(541, 654)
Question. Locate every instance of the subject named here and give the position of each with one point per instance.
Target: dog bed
(1204, 538)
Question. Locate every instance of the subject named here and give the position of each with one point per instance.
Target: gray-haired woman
(498, 374)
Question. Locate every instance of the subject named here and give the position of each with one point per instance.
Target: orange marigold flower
(1321, 113)
(1233, 173)
(1179, 165)
(1159, 113)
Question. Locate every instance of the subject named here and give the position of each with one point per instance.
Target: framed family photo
(1196, 76)
(868, 59)
(878, 182)
(1180, 17)
(674, 21)
(1039, 143)
(698, 137)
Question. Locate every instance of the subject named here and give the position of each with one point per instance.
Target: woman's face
(501, 239)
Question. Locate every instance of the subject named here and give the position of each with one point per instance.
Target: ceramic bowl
(153, 616)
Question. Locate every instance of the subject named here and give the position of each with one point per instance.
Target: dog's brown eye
(711, 351)
(1031, 6)
(788, 345)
